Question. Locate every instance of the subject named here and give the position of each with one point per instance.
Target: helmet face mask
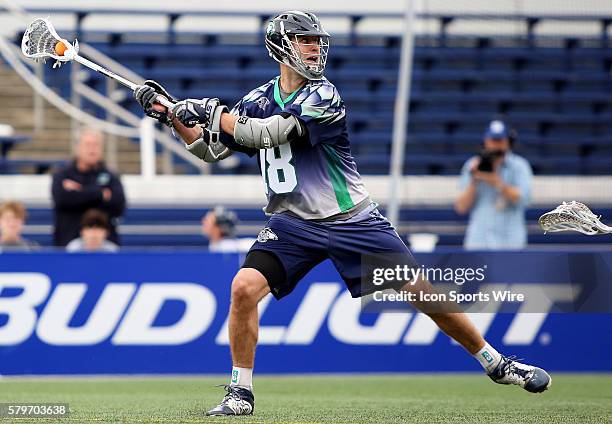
(310, 63)
(298, 40)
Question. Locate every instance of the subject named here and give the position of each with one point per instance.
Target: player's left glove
(206, 112)
(146, 95)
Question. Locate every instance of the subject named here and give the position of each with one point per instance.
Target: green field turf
(323, 399)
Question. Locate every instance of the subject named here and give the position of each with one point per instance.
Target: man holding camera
(496, 188)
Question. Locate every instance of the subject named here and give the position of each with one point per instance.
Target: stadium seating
(554, 93)
(551, 82)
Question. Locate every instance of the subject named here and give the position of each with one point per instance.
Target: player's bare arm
(188, 135)
(228, 123)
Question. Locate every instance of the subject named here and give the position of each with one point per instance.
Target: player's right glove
(206, 112)
(146, 94)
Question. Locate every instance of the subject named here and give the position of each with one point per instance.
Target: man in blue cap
(495, 189)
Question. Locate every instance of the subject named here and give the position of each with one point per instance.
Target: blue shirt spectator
(496, 198)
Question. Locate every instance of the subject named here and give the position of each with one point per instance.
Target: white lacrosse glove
(205, 112)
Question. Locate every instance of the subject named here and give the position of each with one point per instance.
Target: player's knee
(244, 291)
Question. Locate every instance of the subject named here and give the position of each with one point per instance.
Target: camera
(487, 158)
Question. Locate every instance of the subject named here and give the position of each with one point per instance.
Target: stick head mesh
(40, 39)
(573, 216)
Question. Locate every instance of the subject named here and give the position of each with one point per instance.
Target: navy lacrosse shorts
(301, 244)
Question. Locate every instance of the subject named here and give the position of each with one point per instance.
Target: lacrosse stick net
(40, 41)
(573, 216)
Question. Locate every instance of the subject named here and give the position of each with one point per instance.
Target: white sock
(242, 377)
(488, 357)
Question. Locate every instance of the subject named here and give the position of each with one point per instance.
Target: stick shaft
(118, 78)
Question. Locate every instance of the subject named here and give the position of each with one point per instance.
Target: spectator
(496, 188)
(94, 233)
(84, 184)
(12, 218)
(219, 225)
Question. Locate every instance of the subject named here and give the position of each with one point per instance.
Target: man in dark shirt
(84, 184)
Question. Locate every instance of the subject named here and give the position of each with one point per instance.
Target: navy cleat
(530, 378)
(237, 401)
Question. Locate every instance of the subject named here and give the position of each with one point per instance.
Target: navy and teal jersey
(315, 177)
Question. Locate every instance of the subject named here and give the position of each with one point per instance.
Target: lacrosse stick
(573, 216)
(40, 41)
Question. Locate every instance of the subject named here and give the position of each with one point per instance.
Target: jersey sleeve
(322, 111)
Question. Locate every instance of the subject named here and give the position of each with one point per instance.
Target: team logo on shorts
(265, 235)
(263, 103)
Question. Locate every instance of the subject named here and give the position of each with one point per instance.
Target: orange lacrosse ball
(60, 48)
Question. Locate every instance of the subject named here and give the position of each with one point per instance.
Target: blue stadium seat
(36, 166)
(556, 95)
(450, 226)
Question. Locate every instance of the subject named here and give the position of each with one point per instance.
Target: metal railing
(141, 128)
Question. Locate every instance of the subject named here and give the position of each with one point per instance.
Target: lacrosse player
(318, 205)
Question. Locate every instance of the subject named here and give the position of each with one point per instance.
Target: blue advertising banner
(167, 313)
